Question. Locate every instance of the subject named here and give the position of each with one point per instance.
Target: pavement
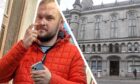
(117, 80)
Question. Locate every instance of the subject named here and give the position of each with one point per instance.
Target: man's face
(48, 20)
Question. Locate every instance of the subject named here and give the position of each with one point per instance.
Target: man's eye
(39, 17)
(49, 18)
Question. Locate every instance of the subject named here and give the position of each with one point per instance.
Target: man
(135, 73)
(62, 64)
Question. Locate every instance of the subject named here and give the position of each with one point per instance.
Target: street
(114, 80)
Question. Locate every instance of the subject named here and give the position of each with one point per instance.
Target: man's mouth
(42, 30)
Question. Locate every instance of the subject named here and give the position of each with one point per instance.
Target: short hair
(46, 1)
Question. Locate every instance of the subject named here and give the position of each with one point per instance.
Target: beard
(47, 37)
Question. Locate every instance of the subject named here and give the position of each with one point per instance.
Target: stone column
(104, 68)
(122, 68)
(108, 68)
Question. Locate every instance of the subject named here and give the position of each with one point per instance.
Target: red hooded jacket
(63, 60)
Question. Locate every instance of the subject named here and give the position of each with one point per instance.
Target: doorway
(114, 68)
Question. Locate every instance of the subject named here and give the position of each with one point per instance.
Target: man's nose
(43, 22)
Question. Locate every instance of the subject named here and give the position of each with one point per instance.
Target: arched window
(83, 48)
(93, 48)
(75, 17)
(97, 26)
(80, 46)
(117, 48)
(136, 47)
(114, 26)
(110, 48)
(99, 47)
(82, 28)
(129, 47)
(88, 48)
(105, 49)
(132, 23)
(123, 47)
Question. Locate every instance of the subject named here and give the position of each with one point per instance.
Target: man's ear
(61, 24)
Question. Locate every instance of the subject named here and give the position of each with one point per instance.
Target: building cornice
(110, 9)
(109, 40)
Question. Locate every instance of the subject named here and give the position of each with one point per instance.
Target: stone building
(108, 35)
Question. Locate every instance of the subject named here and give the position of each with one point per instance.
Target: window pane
(129, 64)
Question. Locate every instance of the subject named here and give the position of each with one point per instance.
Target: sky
(64, 4)
(2, 7)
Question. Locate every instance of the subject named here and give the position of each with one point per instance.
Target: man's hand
(41, 76)
(30, 36)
